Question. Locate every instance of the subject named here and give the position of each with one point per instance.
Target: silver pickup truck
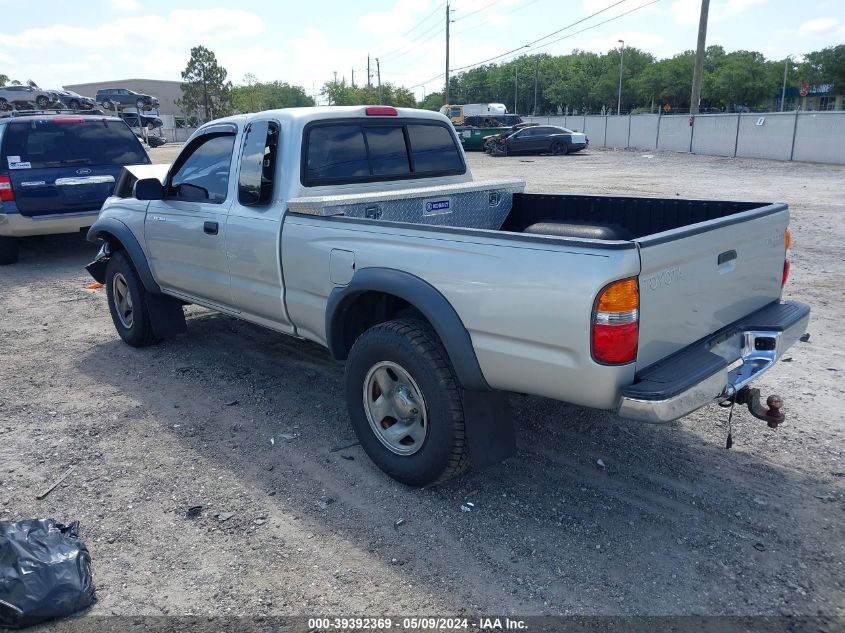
(362, 229)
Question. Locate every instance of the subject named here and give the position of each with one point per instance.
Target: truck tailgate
(696, 279)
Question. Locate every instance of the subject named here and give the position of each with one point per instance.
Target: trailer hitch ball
(773, 416)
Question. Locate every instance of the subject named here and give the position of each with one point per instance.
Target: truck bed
(703, 263)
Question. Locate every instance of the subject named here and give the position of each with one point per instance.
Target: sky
(306, 43)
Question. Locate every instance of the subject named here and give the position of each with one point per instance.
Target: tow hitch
(773, 416)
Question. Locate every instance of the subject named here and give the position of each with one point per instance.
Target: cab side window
(203, 175)
(258, 164)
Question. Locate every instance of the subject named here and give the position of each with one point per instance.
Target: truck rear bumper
(717, 367)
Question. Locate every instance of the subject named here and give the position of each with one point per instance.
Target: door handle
(210, 228)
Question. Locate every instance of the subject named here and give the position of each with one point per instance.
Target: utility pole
(536, 74)
(515, 84)
(446, 92)
(378, 71)
(783, 91)
(621, 63)
(695, 98)
(369, 74)
(353, 77)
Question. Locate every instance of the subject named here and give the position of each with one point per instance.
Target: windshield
(74, 142)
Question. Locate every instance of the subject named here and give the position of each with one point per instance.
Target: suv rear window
(50, 143)
(349, 152)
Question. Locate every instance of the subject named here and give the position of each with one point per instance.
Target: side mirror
(149, 189)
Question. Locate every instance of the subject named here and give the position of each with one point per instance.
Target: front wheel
(73, 104)
(404, 403)
(8, 250)
(128, 302)
(41, 101)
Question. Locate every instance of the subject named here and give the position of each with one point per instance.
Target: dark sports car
(545, 139)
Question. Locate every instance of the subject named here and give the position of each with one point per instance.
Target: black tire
(107, 105)
(41, 101)
(73, 104)
(414, 347)
(8, 250)
(140, 105)
(137, 332)
(4, 105)
(559, 148)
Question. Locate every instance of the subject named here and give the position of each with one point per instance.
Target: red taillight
(381, 111)
(615, 327)
(6, 192)
(788, 239)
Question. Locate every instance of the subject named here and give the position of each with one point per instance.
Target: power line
(416, 37)
(484, 8)
(519, 7)
(540, 39)
(520, 48)
(417, 45)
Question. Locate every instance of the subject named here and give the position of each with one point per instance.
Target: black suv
(110, 97)
(56, 170)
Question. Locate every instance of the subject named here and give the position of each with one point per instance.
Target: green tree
(254, 96)
(826, 65)
(4, 79)
(205, 86)
(432, 101)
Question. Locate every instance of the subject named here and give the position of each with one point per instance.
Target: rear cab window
(344, 152)
(45, 143)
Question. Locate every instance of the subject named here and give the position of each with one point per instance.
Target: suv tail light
(7, 194)
(615, 327)
(786, 259)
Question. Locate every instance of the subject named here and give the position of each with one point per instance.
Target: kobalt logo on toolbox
(437, 206)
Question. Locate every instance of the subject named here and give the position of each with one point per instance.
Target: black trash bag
(45, 572)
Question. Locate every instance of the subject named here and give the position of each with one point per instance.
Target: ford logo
(84, 171)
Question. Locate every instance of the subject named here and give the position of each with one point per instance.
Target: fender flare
(422, 296)
(104, 228)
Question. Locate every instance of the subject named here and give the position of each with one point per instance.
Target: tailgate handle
(210, 228)
(726, 257)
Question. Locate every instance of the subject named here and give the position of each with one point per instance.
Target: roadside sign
(666, 107)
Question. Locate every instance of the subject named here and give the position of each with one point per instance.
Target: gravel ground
(294, 519)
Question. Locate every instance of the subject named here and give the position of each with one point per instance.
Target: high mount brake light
(615, 326)
(381, 111)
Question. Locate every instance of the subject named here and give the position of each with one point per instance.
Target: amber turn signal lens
(788, 239)
(619, 297)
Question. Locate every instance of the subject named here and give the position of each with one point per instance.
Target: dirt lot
(245, 422)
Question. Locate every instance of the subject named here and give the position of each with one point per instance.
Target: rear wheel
(73, 104)
(140, 104)
(404, 403)
(8, 250)
(128, 302)
(41, 101)
(4, 105)
(559, 147)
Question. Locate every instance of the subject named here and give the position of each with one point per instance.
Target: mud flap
(166, 315)
(489, 427)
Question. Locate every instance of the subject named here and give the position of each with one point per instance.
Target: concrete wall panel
(714, 135)
(594, 129)
(644, 131)
(617, 131)
(674, 133)
(820, 137)
(772, 139)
